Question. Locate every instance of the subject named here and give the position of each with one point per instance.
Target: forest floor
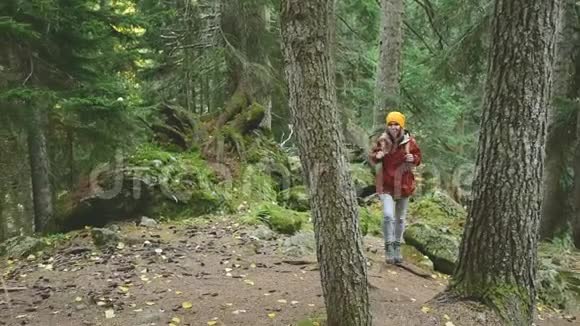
(215, 273)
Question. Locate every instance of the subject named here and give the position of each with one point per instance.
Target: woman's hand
(409, 158)
(380, 155)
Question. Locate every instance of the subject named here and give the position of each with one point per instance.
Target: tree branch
(428, 8)
(289, 136)
(31, 71)
(421, 38)
(348, 26)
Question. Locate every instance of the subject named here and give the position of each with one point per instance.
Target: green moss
(205, 202)
(416, 257)
(361, 175)
(278, 218)
(371, 219)
(311, 322)
(254, 187)
(250, 119)
(266, 153)
(183, 185)
(21, 246)
(232, 136)
(295, 198)
(442, 249)
(439, 211)
(558, 278)
(147, 153)
(238, 100)
(511, 302)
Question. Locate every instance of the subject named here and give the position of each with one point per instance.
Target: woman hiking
(395, 183)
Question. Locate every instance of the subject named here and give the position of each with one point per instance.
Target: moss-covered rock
(558, 275)
(440, 212)
(21, 246)
(300, 244)
(441, 248)
(277, 218)
(181, 184)
(249, 119)
(152, 182)
(105, 237)
(295, 198)
(414, 256)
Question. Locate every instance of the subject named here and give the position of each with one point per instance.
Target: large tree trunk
(243, 23)
(576, 219)
(498, 256)
(391, 44)
(307, 33)
(575, 93)
(267, 98)
(15, 191)
(40, 169)
(554, 198)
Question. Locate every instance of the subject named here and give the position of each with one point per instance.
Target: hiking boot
(398, 258)
(389, 253)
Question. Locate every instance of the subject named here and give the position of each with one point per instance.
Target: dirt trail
(215, 274)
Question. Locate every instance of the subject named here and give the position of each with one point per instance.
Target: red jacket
(396, 176)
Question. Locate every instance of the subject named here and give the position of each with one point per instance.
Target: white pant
(394, 213)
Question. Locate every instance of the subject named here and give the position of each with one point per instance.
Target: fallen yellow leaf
(212, 322)
(272, 315)
(446, 317)
(149, 303)
(187, 305)
(123, 289)
(449, 324)
(175, 320)
(178, 292)
(249, 282)
(78, 299)
(425, 309)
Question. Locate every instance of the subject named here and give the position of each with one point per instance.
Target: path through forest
(205, 274)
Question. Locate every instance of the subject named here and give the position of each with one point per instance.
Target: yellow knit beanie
(397, 117)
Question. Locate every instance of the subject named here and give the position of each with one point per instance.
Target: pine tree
(307, 32)
(498, 255)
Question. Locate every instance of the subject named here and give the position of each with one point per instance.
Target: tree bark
(40, 169)
(498, 255)
(575, 93)
(576, 219)
(307, 33)
(390, 47)
(554, 198)
(267, 98)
